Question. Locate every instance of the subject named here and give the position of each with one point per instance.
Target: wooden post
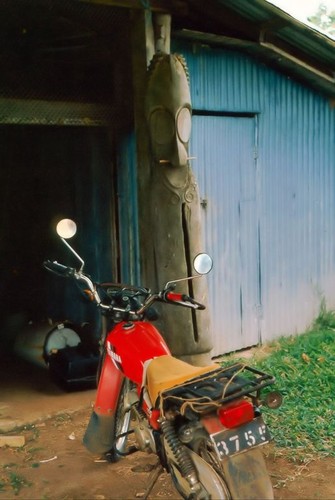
(143, 48)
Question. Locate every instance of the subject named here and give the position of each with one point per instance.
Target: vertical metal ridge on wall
(128, 212)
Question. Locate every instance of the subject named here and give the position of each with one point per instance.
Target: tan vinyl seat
(166, 372)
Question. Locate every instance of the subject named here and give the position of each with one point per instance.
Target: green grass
(12, 478)
(17, 482)
(304, 367)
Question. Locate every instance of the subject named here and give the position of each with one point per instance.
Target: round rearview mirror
(66, 228)
(203, 263)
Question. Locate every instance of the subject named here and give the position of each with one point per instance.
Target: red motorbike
(203, 423)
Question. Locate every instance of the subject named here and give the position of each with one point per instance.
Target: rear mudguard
(98, 437)
(247, 477)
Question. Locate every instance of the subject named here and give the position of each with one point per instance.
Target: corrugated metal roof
(276, 22)
(267, 33)
(255, 26)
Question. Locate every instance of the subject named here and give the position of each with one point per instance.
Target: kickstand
(152, 480)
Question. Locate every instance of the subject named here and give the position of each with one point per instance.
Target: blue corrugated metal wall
(227, 177)
(128, 211)
(287, 255)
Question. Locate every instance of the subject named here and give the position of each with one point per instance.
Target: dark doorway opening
(48, 173)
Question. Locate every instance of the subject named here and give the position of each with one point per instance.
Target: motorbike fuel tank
(130, 344)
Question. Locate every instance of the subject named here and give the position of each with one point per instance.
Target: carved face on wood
(168, 108)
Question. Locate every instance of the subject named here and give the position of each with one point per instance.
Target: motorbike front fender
(98, 437)
(247, 477)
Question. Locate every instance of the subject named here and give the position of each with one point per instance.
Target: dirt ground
(53, 463)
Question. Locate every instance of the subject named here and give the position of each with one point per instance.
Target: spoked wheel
(213, 486)
(122, 423)
(244, 473)
(204, 447)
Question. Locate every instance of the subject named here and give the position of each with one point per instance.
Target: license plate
(242, 438)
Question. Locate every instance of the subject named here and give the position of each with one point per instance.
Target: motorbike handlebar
(59, 269)
(93, 294)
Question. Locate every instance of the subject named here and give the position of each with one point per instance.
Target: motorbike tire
(210, 480)
(244, 475)
(121, 424)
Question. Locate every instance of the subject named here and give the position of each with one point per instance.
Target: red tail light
(236, 414)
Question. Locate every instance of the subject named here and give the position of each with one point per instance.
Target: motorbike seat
(165, 372)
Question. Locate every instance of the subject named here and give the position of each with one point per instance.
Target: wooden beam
(153, 5)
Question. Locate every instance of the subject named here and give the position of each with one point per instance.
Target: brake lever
(199, 306)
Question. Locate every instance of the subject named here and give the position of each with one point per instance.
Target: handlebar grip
(174, 297)
(57, 268)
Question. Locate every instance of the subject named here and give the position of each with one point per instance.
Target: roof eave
(269, 54)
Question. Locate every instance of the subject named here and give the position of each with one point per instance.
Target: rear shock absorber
(180, 454)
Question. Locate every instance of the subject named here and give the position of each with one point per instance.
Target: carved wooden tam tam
(174, 202)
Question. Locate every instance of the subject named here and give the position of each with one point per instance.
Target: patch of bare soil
(53, 464)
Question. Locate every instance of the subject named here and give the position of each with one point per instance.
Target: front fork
(98, 437)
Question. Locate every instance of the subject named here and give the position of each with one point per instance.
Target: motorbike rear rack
(217, 387)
